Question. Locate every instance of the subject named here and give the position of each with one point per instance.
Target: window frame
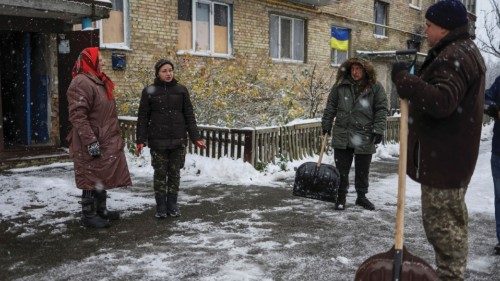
(211, 52)
(417, 5)
(386, 18)
(334, 52)
(126, 31)
(292, 38)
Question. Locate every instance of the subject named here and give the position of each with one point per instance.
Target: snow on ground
(31, 193)
(37, 196)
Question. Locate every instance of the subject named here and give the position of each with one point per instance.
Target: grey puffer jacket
(360, 111)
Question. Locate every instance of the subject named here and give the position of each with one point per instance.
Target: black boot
(497, 249)
(102, 211)
(172, 207)
(89, 211)
(340, 204)
(161, 205)
(364, 202)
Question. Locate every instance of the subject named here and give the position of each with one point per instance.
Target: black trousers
(343, 162)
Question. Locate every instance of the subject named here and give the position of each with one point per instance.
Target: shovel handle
(322, 150)
(403, 144)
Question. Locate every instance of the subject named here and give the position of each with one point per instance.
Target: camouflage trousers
(445, 220)
(167, 165)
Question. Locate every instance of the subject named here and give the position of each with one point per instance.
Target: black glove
(397, 67)
(94, 149)
(326, 132)
(492, 110)
(377, 138)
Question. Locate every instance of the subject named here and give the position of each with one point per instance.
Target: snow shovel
(317, 181)
(398, 263)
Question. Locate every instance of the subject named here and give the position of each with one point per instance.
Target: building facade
(284, 35)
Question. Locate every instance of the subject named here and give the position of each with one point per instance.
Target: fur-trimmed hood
(344, 71)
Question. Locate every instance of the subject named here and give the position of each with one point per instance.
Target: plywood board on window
(112, 28)
(185, 39)
(221, 45)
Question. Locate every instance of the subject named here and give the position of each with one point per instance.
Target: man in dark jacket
(359, 104)
(492, 108)
(446, 100)
(165, 117)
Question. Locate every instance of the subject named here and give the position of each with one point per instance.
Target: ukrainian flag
(340, 39)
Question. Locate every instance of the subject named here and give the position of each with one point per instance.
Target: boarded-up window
(113, 28)
(287, 37)
(211, 28)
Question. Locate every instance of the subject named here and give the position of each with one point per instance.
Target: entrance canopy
(36, 15)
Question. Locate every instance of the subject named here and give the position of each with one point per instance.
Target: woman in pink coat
(95, 142)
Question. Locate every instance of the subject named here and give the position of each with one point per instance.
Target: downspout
(27, 86)
(335, 15)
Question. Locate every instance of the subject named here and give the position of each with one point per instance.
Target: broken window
(211, 31)
(114, 30)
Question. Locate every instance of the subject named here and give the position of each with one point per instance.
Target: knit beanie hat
(161, 63)
(448, 14)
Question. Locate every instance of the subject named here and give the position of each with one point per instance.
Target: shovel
(398, 263)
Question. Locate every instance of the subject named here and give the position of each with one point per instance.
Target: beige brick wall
(154, 30)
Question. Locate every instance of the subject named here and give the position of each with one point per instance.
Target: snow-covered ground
(250, 242)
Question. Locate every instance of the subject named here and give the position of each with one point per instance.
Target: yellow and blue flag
(340, 39)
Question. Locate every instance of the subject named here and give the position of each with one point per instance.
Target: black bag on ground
(317, 181)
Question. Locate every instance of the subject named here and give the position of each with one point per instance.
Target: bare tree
(491, 44)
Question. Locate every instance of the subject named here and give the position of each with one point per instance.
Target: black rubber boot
(161, 205)
(172, 206)
(340, 204)
(364, 202)
(102, 211)
(89, 211)
(497, 249)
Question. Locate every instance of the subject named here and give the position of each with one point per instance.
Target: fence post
(249, 149)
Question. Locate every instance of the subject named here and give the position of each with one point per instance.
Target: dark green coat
(357, 116)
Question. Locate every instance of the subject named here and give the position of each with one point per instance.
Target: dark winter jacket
(360, 110)
(94, 118)
(493, 98)
(165, 115)
(446, 111)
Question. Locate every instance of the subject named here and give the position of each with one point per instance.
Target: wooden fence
(259, 145)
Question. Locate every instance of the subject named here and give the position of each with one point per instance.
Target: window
(380, 11)
(415, 3)
(470, 5)
(287, 38)
(340, 54)
(211, 31)
(115, 29)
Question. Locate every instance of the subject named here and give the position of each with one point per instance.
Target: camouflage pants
(445, 220)
(167, 165)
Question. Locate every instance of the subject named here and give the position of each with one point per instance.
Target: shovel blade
(380, 268)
